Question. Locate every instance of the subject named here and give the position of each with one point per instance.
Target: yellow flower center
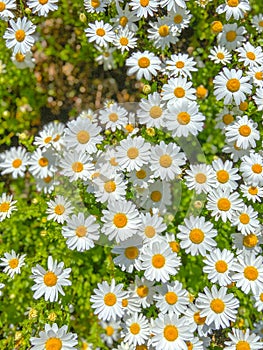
(183, 118)
(95, 3)
(222, 176)
(135, 328)
(217, 305)
(251, 273)
(141, 174)
(171, 298)
(109, 331)
(2, 6)
(20, 57)
(123, 21)
(149, 231)
(144, 3)
(50, 279)
(179, 92)
(257, 168)
(120, 220)
(141, 347)
(233, 85)
(81, 231)
(110, 186)
(231, 35)
(77, 167)
(43, 162)
(179, 64)
(144, 62)
(253, 190)
(220, 55)
(113, 117)
(178, 19)
(250, 240)
(100, 32)
(131, 253)
(113, 161)
(227, 119)
(124, 302)
(244, 130)
(124, 41)
(13, 263)
(4, 207)
(259, 75)
(251, 56)
(233, 3)
(242, 345)
(163, 30)
(260, 23)
(47, 179)
(196, 236)
(221, 266)
(59, 209)
(175, 246)
(20, 35)
(142, 291)
(158, 261)
(156, 112)
(189, 345)
(53, 344)
(244, 218)
(200, 178)
(223, 204)
(170, 333)
(156, 196)
(217, 27)
(261, 297)
(16, 163)
(110, 299)
(201, 91)
(132, 152)
(129, 127)
(243, 106)
(83, 137)
(165, 161)
(199, 320)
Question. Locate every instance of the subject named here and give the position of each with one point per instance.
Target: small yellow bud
(146, 89)
(83, 18)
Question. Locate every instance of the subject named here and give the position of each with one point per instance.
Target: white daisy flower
(226, 175)
(252, 193)
(76, 165)
(235, 153)
(121, 220)
(249, 243)
(159, 262)
(166, 161)
(144, 64)
(144, 8)
(179, 17)
(249, 273)
(257, 22)
(14, 162)
(109, 186)
(5, 7)
(245, 220)
(180, 65)
(256, 74)
(105, 57)
(178, 89)
(100, 32)
(223, 204)
(136, 330)
(113, 117)
(107, 301)
(240, 339)
(235, 8)
(81, 232)
(198, 344)
(143, 290)
(231, 85)
(162, 33)
(46, 184)
(258, 301)
(12, 263)
(140, 178)
(217, 306)
(200, 177)
(151, 228)
(125, 18)
(172, 4)
(112, 333)
(95, 6)
(192, 317)
(49, 283)
(42, 163)
(54, 338)
(225, 117)
(125, 40)
(131, 304)
(250, 55)
(218, 266)
(7, 206)
(258, 98)
(220, 54)
(197, 236)
(42, 7)
(152, 111)
(59, 209)
(158, 195)
(251, 168)
(231, 36)
(19, 35)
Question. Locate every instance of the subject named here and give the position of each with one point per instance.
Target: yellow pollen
(242, 345)
(175, 246)
(155, 112)
(244, 130)
(256, 168)
(156, 196)
(50, 279)
(135, 328)
(158, 261)
(48, 139)
(179, 64)
(124, 302)
(20, 35)
(59, 209)
(81, 231)
(20, 57)
(231, 35)
(233, 3)
(222, 176)
(100, 32)
(196, 236)
(124, 41)
(165, 161)
(113, 117)
(221, 266)
(141, 174)
(251, 273)
(259, 75)
(200, 178)
(13, 263)
(253, 190)
(83, 137)
(144, 3)
(251, 56)
(144, 62)
(142, 291)
(178, 19)
(132, 152)
(129, 127)
(77, 167)
(109, 330)
(233, 85)
(110, 186)
(183, 118)
(149, 231)
(170, 333)
(171, 298)
(199, 320)
(250, 241)
(53, 344)
(131, 253)
(217, 305)
(95, 3)
(16, 163)
(243, 106)
(2, 6)
(4, 207)
(43, 162)
(223, 204)
(220, 55)
(164, 30)
(123, 21)
(120, 220)
(227, 119)
(179, 92)
(110, 299)
(244, 218)
(217, 27)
